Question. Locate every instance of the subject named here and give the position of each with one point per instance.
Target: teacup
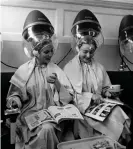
(115, 88)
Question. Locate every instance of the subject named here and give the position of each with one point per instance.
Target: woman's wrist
(58, 85)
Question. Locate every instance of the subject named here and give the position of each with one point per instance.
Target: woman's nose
(88, 55)
(51, 53)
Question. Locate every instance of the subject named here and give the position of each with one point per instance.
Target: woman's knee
(47, 127)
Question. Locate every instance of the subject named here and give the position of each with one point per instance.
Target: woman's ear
(35, 53)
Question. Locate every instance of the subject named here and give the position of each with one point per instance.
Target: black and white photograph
(66, 74)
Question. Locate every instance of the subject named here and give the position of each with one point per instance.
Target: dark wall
(126, 80)
(5, 78)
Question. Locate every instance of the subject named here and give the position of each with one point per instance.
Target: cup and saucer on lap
(115, 90)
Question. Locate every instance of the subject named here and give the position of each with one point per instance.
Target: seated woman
(88, 76)
(37, 84)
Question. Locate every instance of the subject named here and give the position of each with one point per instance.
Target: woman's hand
(113, 95)
(107, 94)
(13, 103)
(97, 99)
(53, 79)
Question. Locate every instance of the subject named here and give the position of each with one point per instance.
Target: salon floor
(5, 139)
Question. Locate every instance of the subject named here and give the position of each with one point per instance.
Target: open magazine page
(101, 111)
(113, 101)
(38, 118)
(66, 112)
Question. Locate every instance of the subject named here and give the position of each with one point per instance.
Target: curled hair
(87, 41)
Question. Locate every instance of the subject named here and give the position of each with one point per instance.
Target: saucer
(112, 90)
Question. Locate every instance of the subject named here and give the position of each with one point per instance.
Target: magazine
(100, 112)
(54, 114)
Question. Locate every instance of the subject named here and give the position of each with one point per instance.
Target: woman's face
(86, 52)
(46, 54)
(45, 48)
